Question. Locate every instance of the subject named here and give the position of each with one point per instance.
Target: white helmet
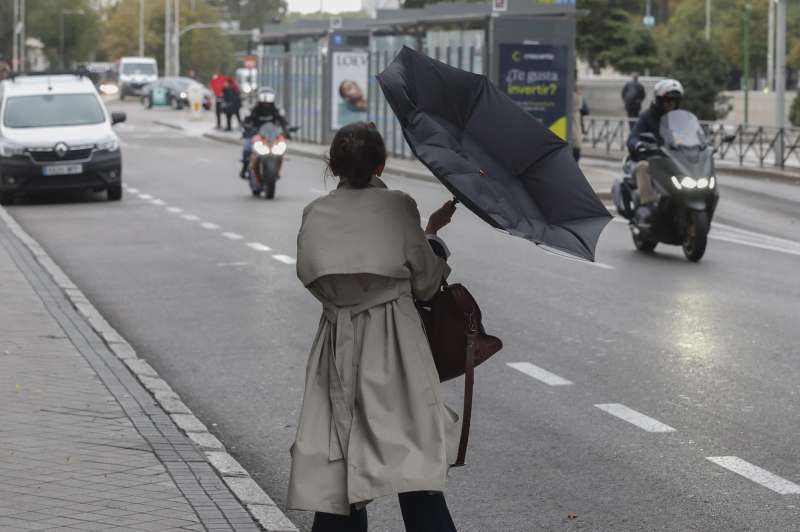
(665, 86)
(266, 95)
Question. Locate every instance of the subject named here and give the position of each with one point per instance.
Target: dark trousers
(422, 511)
(218, 111)
(633, 115)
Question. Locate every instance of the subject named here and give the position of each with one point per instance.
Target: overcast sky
(331, 6)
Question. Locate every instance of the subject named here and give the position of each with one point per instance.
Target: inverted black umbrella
(494, 157)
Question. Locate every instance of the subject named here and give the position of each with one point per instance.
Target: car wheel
(114, 192)
(6, 198)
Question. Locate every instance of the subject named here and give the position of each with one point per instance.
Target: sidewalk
(83, 444)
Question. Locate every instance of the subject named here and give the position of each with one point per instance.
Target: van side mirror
(116, 118)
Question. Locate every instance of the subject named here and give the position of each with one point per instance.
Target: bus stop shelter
(324, 71)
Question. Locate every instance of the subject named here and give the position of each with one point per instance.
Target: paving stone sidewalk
(83, 446)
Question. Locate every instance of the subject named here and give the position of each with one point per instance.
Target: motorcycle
(681, 167)
(266, 158)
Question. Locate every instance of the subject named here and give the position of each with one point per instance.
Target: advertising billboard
(535, 76)
(349, 77)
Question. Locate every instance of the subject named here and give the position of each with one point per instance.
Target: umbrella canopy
(496, 158)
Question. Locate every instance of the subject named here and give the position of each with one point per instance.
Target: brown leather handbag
(452, 321)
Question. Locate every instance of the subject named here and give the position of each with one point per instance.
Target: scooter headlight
(260, 148)
(676, 182)
(712, 182)
(689, 182)
(702, 182)
(279, 148)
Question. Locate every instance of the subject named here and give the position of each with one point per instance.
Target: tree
(598, 33)
(631, 47)
(43, 21)
(206, 51)
(703, 70)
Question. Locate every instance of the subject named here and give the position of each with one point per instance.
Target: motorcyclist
(264, 111)
(668, 95)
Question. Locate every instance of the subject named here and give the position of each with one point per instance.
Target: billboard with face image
(349, 88)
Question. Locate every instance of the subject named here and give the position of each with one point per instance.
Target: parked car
(55, 133)
(177, 93)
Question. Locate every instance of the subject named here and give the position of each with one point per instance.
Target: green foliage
(207, 51)
(251, 13)
(631, 47)
(602, 35)
(43, 21)
(703, 70)
(794, 112)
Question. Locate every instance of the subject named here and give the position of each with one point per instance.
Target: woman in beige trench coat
(373, 422)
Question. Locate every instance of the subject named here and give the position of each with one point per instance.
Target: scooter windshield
(680, 129)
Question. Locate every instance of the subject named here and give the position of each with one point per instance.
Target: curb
(168, 124)
(260, 506)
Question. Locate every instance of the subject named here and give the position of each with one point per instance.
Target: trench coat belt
(342, 365)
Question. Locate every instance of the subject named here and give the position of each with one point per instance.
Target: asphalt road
(709, 352)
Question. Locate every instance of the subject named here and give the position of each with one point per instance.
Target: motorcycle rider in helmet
(668, 95)
(264, 111)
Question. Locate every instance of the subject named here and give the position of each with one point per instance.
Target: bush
(794, 112)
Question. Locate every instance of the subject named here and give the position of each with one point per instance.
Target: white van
(135, 73)
(55, 134)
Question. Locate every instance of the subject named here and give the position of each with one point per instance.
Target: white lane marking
(209, 225)
(636, 418)
(756, 474)
(158, 202)
(539, 374)
(176, 210)
(191, 217)
(258, 246)
(286, 259)
(133, 190)
(755, 244)
(224, 264)
(203, 160)
(145, 196)
(233, 236)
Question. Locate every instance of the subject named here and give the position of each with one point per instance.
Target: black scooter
(682, 172)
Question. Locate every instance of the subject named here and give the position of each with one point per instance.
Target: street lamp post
(141, 28)
(61, 47)
(746, 60)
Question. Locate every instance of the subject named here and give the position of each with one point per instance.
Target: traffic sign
(649, 21)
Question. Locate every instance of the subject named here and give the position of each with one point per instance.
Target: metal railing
(750, 145)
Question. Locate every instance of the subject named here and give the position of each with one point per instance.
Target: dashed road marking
(158, 202)
(756, 474)
(258, 246)
(226, 264)
(636, 418)
(233, 236)
(539, 374)
(145, 196)
(209, 225)
(176, 210)
(286, 259)
(133, 190)
(191, 217)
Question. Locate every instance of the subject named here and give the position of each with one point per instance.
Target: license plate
(63, 169)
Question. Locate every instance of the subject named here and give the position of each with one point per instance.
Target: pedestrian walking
(372, 421)
(633, 95)
(231, 103)
(217, 85)
(580, 108)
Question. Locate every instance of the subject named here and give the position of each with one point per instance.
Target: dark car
(177, 91)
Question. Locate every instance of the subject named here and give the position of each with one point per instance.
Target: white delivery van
(135, 73)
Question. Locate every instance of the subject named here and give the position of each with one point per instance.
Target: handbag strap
(469, 383)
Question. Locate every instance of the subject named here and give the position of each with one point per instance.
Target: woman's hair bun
(357, 151)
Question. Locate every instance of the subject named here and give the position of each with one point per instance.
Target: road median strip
(260, 506)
